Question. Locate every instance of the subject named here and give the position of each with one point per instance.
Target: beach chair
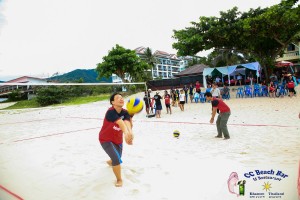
(202, 98)
(248, 91)
(281, 91)
(256, 90)
(264, 91)
(240, 92)
(196, 97)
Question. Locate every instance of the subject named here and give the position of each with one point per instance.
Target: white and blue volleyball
(134, 106)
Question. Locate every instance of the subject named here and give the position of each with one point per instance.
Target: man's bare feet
(119, 183)
(109, 162)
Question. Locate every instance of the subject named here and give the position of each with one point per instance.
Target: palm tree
(150, 58)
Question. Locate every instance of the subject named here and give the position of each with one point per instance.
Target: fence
(174, 82)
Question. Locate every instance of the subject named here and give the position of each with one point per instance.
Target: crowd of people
(178, 97)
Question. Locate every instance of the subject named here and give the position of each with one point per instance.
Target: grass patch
(24, 104)
(84, 100)
(72, 101)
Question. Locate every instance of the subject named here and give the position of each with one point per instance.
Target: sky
(42, 37)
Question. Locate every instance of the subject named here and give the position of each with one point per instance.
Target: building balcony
(289, 56)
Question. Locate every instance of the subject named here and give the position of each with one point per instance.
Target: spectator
(272, 89)
(167, 98)
(215, 91)
(197, 85)
(225, 92)
(186, 89)
(191, 92)
(158, 106)
(291, 86)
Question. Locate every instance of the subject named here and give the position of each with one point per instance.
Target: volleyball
(134, 105)
(176, 133)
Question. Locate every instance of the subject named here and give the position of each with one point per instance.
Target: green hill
(88, 76)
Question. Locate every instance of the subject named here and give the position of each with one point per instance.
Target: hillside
(88, 76)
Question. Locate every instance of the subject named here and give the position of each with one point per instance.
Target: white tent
(230, 70)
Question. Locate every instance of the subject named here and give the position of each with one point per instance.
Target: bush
(51, 95)
(16, 95)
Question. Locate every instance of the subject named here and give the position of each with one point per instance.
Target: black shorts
(292, 90)
(182, 102)
(168, 106)
(114, 151)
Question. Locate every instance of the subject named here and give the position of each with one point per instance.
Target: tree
(149, 57)
(263, 33)
(225, 57)
(120, 61)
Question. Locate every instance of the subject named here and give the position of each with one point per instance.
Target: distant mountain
(88, 76)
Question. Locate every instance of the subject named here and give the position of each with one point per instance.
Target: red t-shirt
(110, 131)
(220, 105)
(290, 84)
(167, 99)
(272, 88)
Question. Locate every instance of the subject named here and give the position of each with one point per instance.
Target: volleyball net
(55, 93)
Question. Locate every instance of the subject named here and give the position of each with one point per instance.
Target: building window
(291, 47)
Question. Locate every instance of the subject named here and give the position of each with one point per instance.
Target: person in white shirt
(215, 91)
(181, 100)
(239, 79)
(218, 79)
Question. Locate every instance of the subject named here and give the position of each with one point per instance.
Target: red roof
(23, 79)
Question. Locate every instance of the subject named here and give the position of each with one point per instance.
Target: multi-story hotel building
(166, 64)
(292, 54)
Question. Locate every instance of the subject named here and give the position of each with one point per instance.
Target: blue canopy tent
(230, 69)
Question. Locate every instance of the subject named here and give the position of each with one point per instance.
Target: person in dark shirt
(186, 89)
(158, 106)
(191, 92)
(147, 102)
(224, 112)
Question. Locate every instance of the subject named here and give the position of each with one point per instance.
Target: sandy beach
(53, 153)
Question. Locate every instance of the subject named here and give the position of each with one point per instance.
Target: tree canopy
(263, 33)
(120, 61)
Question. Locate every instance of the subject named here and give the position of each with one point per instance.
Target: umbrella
(284, 64)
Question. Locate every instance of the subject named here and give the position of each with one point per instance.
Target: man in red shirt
(224, 112)
(117, 121)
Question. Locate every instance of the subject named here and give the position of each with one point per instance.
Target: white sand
(54, 153)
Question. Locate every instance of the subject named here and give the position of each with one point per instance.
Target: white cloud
(48, 36)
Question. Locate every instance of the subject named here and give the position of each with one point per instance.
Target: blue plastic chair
(202, 98)
(196, 97)
(256, 90)
(264, 91)
(240, 92)
(281, 91)
(248, 91)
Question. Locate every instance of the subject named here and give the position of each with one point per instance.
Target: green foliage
(51, 95)
(16, 95)
(263, 33)
(120, 61)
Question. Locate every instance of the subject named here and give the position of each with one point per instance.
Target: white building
(6, 89)
(166, 64)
